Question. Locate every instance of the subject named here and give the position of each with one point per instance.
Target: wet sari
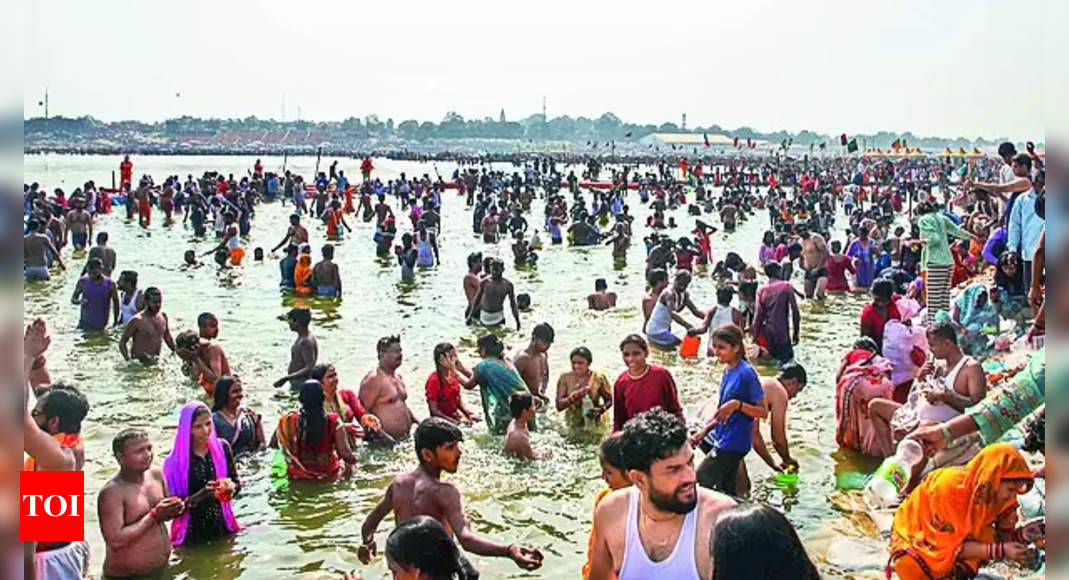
(304, 460)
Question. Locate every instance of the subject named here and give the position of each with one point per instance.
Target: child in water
(190, 259)
(518, 436)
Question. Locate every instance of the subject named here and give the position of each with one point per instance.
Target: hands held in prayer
(36, 340)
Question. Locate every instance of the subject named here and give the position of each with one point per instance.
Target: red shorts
(144, 209)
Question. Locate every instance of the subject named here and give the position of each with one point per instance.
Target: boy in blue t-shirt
(729, 435)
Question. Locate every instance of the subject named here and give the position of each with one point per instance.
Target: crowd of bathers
(948, 357)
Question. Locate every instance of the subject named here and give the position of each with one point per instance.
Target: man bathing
(532, 363)
(815, 262)
(422, 492)
(490, 299)
(133, 507)
(662, 527)
(149, 329)
(383, 392)
(305, 349)
(325, 274)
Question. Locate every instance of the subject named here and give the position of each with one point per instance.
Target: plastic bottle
(893, 475)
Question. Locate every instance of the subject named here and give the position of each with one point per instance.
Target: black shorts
(817, 274)
(720, 471)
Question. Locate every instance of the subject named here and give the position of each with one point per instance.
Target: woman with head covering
(310, 439)
(960, 517)
(200, 471)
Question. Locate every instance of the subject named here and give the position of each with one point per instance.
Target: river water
(313, 530)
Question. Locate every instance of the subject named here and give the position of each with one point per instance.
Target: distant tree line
(607, 127)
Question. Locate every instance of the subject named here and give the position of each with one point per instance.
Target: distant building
(687, 141)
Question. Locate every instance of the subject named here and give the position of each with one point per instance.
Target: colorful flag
(851, 147)
(896, 144)
(842, 139)
(705, 136)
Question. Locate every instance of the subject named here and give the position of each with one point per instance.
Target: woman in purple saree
(200, 470)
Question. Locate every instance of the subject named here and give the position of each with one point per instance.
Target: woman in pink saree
(863, 376)
(200, 470)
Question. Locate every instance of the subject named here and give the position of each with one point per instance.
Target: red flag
(842, 139)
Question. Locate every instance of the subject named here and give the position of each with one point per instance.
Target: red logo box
(52, 506)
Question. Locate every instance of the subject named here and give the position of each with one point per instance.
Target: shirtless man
(383, 392)
(326, 278)
(490, 299)
(532, 362)
(382, 209)
(132, 507)
(620, 241)
(673, 517)
(305, 349)
(422, 492)
(815, 262)
(80, 225)
(601, 299)
(105, 253)
(964, 386)
(779, 392)
(144, 206)
(167, 203)
(149, 329)
(473, 279)
(36, 247)
(205, 360)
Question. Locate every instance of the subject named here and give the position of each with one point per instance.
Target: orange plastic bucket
(690, 346)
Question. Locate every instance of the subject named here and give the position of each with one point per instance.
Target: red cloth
(631, 396)
(447, 396)
(356, 409)
(837, 281)
(877, 322)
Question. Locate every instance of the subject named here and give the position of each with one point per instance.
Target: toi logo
(52, 508)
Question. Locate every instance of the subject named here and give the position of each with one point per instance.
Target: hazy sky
(851, 66)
